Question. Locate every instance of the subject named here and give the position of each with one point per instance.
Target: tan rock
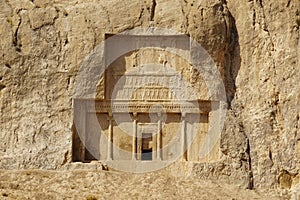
(254, 44)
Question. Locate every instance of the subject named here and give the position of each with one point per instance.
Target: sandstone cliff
(254, 43)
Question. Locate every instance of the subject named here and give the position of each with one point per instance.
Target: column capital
(159, 115)
(134, 115)
(109, 117)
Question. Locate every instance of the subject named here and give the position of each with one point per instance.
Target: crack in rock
(152, 11)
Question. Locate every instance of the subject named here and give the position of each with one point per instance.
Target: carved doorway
(147, 144)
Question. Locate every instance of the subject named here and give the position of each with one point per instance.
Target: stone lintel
(197, 107)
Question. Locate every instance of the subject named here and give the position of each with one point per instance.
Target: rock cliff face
(255, 45)
(267, 100)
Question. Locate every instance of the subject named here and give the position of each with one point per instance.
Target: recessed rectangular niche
(106, 139)
(99, 132)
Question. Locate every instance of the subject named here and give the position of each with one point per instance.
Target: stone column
(183, 136)
(134, 136)
(83, 131)
(158, 141)
(110, 137)
(139, 146)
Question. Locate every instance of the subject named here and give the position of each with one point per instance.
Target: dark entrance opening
(147, 146)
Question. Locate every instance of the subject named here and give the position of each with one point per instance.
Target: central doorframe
(147, 135)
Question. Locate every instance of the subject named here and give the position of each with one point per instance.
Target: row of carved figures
(154, 94)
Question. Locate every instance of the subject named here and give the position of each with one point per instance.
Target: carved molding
(201, 107)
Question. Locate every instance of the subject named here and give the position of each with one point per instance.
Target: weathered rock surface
(255, 45)
(92, 184)
(267, 96)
